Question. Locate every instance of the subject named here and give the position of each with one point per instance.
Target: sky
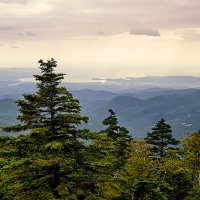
(102, 38)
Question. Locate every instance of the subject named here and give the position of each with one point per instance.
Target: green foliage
(191, 146)
(160, 138)
(119, 135)
(173, 170)
(194, 193)
(49, 105)
(57, 160)
(45, 159)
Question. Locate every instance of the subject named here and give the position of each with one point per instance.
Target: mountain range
(138, 111)
(180, 108)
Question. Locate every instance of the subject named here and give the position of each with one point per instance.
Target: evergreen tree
(173, 170)
(107, 154)
(49, 155)
(160, 138)
(52, 108)
(113, 130)
(118, 134)
(101, 167)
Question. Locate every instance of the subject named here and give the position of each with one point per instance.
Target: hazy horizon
(26, 75)
(92, 38)
(23, 77)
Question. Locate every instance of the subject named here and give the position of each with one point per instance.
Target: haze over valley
(138, 102)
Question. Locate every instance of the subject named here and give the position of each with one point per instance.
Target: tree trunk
(132, 196)
(56, 180)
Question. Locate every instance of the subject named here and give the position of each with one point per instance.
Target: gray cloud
(14, 1)
(148, 32)
(28, 33)
(97, 79)
(25, 34)
(6, 28)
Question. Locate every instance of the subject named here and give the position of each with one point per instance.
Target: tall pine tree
(51, 153)
(52, 107)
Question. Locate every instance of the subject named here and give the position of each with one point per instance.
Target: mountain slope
(8, 112)
(182, 111)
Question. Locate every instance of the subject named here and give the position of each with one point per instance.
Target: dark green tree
(106, 156)
(113, 130)
(48, 156)
(120, 136)
(160, 138)
(52, 107)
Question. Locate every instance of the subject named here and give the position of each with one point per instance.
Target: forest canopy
(56, 159)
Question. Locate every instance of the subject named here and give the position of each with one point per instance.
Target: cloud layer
(102, 38)
(63, 19)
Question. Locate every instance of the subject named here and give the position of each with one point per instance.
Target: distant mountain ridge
(181, 109)
(8, 112)
(139, 102)
(11, 83)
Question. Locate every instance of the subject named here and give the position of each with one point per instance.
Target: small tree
(160, 138)
(113, 130)
(118, 134)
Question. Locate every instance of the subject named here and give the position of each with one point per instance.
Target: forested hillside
(59, 159)
(181, 111)
(181, 108)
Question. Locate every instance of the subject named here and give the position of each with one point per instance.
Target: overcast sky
(102, 38)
